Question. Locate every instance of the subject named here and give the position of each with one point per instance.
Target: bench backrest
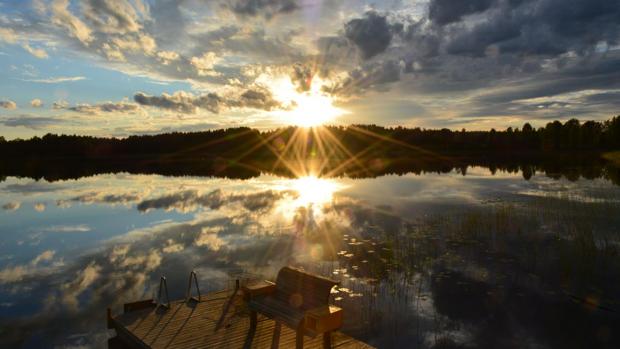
(303, 290)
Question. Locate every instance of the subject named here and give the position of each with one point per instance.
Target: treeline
(339, 142)
(555, 136)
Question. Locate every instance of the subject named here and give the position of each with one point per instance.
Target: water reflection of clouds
(584, 191)
(42, 263)
(257, 225)
(11, 206)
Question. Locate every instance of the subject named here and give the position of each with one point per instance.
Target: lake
(467, 258)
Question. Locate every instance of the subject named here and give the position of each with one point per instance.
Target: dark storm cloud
(582, 75)
(499, 51)
(448, 11)
(371, 34)
(265, 8)
(541, 27)
(183, 102)
(369, 76)
(604, 98)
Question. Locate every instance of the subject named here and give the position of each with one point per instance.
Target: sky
(125, 67)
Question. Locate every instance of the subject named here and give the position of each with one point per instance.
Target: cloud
(137, 43)
(8, 35)
(208, 237)
(36, 103)
(57, 80)
(371, 34)
(45, 256)
(180, 101)
(369, 76)
(12, 274)
(11, 206)
(265, 8)
(39, 207)
(113, 17)
(186, 102)
(107, 107)
(8, 105)
(189, 200)
(37, 52)
(62, 17)
(102, 197)
(540, 27)
(167, 57)
(16, 273)
(31, 122)
(301, 76)
(60, 105)
(204, 64)
(435, 50)
(113, 53)
(80, 228)
(172, 247)
(32, 187)
(446, 11)
(182, 201)
(81, 282)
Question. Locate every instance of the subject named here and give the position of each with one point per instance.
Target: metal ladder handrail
(188, 293)
(162, 281)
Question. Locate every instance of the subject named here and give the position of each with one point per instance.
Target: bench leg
(299, 338)
(327, 340)
(252, 331)
(275, 341)
(253, 320)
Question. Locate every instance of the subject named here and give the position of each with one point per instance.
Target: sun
(307, 109)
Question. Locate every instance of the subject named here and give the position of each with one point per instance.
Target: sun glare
(310, 108)
(312, 190)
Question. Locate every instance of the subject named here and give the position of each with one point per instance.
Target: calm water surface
(433, 260)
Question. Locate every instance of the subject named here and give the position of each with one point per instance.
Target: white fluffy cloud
(204, 64)
(8, 105)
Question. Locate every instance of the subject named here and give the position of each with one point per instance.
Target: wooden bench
(300, 301)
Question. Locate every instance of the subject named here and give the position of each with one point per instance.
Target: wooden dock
(218, 321)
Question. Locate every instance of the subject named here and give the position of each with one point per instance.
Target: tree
(612, 132)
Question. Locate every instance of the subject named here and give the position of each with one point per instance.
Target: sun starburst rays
(306, 108)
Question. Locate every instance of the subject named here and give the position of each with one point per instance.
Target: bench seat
(298, 297)
(277, 310)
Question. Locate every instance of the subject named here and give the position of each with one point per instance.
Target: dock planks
(193, 325)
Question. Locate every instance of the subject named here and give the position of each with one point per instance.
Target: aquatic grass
(545, 250)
